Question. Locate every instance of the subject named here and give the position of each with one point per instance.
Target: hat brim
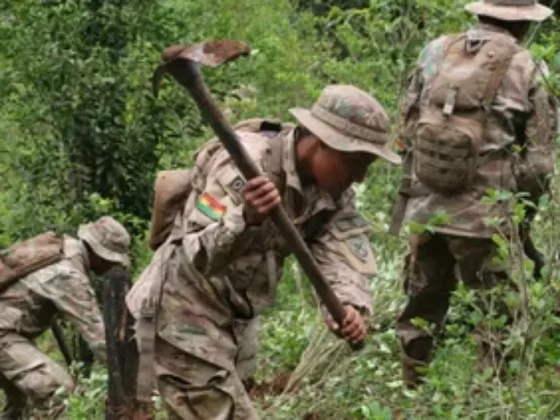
(112, 256)
(331, 137)
(103, 252)
(536, 12)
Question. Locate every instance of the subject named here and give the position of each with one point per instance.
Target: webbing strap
(145, 336)
(273, 162)
(503, 63)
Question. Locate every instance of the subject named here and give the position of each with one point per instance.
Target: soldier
(29, 305)
(474, 119)
(221, 265)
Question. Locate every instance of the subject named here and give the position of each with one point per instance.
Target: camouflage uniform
(521, 113)
(29, 306)
(219, 274)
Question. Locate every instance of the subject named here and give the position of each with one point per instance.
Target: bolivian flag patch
(210, 206)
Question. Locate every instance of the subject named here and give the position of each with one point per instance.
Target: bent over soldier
(474, 119)
(62, 288)
(222, 262)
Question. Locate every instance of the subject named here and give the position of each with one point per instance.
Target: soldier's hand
(353, 327)
(260, 196)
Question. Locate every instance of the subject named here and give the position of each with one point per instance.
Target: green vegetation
(81, 136)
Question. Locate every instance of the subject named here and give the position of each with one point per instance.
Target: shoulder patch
(237, 183)
(210, 206)
(359, 246)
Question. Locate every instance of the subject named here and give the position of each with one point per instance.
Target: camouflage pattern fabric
(33, 373)
(27, 309)
(108, 239)
(247, 337)
(348, 119)
(193, 388)
(521, 113)
(219, 272)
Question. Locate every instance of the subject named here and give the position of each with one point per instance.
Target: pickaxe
(183, 64)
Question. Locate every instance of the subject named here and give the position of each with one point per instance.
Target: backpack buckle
(450, 100)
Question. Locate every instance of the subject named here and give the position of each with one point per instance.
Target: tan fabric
(143, 301)
(28, 306)
(225, 259)
(449, 135)
(108, 239)
(27, 256)
(247, 338)
(193, 389)
(171, 189)
(512, 10)
(33, 373)
(219, 272)
(348, 119)
(516, 111)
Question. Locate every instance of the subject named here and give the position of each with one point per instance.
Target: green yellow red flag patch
(210, 206)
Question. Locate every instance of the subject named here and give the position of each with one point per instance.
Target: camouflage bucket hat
(108, 239)
(511, 10)
(348, 119)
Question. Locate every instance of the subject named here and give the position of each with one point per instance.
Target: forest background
(82, 136)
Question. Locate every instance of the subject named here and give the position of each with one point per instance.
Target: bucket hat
(511, 10)
(108, 239)
(348, 119)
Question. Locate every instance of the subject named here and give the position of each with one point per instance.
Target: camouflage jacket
(522, 114)
(218, 271)
(29, 305)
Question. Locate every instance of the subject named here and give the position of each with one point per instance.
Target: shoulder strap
(502, 64)
(273, 164)
(24, 258)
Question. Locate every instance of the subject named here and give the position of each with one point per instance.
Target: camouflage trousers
(433, 267)
(195, 389)
(26, 372)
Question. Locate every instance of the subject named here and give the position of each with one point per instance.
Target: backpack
(454, 106)
(25, 257)
(172, 188)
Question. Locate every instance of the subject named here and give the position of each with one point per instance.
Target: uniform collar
(310, 193)
(289, 162)
(484, 31)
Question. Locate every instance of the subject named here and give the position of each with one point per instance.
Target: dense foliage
(82, 135)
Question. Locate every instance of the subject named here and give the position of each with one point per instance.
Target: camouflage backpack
(454, 106)
(173, 187)
(23, 258)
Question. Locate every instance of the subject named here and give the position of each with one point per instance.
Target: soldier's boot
(415, 358)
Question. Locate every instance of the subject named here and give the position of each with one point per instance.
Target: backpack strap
(26, 257)
(273, 164)
(502, 64)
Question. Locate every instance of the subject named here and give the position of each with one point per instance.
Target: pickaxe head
(211, 53)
